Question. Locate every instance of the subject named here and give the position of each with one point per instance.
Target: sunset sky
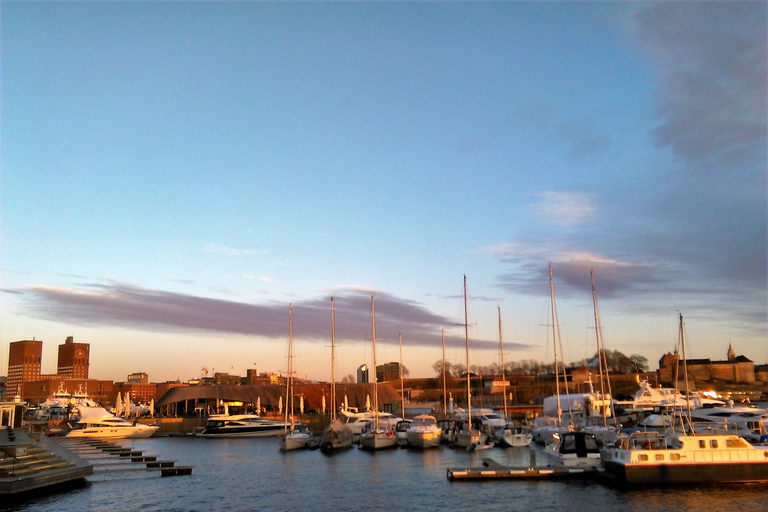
(175, 174)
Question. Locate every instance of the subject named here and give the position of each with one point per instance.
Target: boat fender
(390, 433)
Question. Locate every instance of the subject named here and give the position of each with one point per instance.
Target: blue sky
(175, 174)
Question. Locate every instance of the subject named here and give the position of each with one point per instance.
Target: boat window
(713, 443)
(735, 442)
(702, 443)
(568, 444)
(674, 456)
(642, 458)
(659, 456)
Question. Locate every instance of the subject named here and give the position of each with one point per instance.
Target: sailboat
(296, 436)
(545, 427)
(336, 435)
(376, 438)
(603, 432)
(468, 437)
(513, 433)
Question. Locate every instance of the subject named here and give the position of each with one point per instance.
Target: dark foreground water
(251, 474)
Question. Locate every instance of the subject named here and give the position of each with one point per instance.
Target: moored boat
(241, 425)
(423, 432)
(650, 458)
(100, 423)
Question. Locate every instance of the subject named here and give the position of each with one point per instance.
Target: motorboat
(359, 422)
(544, 427)
(423, 432)
(513, 435)
(447, 430)
(685, 458)
(750, 422)
(574, 450)
(401, 432)
(242, 425)
(98, 422)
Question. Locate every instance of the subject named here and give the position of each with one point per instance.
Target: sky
(176, 174)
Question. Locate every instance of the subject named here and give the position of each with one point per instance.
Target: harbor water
(251, 474)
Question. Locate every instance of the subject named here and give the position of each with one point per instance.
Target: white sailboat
(376, 438)
(545, 427)
(512, 434)
(468, 437)
(336, 435)
(296, 436)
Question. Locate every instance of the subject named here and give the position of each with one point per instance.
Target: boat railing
(643, 440)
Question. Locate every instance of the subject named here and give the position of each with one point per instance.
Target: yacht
(514, 435)
(651, 458)
(98, 422)
(242, 425)
(336, 436)
(423, 432)
(750, 422)
(297, 438)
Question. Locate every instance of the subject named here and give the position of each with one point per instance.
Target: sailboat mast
(375, 376)
(554, 339)
(685, 370)
(400, 367)
(445, 389)
(333, 364)
(466, 340)
(503, 375)
(288, 391)
(598, 340)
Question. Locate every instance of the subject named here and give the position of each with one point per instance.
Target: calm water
(251, 474)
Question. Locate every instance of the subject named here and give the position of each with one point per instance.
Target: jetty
(112, 459)
(28, 463)
(491, 470)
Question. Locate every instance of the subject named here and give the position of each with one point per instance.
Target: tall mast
(599, 341)
(685, 371)
(466, 339)
(445, 390)
(503, 375)
(554, 339)
(289, 380)
(375, 376)
(400, 367)
(333, 364)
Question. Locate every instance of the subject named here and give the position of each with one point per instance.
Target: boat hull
(114, 433)
(424, 439)
(246, 431)
(641, 474)
(378, 440)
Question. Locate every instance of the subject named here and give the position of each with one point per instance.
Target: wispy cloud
(229, 251)
(565, 208)
(118, 304)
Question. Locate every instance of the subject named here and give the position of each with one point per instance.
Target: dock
(110, 458)
(29, 464)
(492, 470)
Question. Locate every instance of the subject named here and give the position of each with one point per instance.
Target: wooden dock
(492, 470)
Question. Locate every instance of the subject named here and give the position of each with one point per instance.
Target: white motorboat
(513, 435)
(423, 432)
(401, 432)
(359, 422)
(98, 422)
(574, 450)
(544, 427)
(750, 422)
(650, 458)
(241, 425)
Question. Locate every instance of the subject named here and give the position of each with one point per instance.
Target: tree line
(616, 362)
